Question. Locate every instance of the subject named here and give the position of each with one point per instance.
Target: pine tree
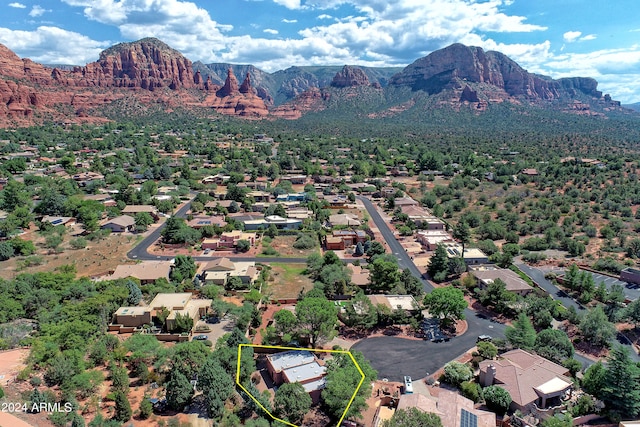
(621, 391)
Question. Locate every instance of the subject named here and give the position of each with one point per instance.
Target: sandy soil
(96, 259)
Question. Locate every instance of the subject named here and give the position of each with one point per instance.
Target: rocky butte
(148, 72)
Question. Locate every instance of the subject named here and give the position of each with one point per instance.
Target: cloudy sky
(560, 38)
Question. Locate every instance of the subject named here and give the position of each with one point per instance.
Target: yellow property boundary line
(275, 347)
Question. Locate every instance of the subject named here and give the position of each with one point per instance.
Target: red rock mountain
(149, 72)
(29, 91)
(350, 76)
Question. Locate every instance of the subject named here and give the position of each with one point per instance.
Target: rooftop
(305, 372)
(171, 301)
(289, 359)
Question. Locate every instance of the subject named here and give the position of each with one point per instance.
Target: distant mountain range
(635, 106)
(133, 78)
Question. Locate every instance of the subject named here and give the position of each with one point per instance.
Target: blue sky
(559, 38)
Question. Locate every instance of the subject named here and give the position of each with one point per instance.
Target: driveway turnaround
(395, 357)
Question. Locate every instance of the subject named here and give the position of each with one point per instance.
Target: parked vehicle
(484, 338)
(200, 337)
(408, 385)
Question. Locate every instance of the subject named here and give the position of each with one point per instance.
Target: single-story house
(453, 409)
(533, 382)
(145, 271)
(132, 210)
(348, 220)
(299, 366)
(513, 282)
(472, 256)
(402, 302)
(120, 224)
(279, 222)
(206, 220)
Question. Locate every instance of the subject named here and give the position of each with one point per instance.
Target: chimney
(488, 377)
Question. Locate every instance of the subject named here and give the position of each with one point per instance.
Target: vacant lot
(284, 246)
(287, 280)
(97, 258)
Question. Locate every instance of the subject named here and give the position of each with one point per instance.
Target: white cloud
(18, 5)
(52, 45)
(289, 4)
(289, 21)
(270, 31)
(325, 16)
(37, 10)
(571, 36)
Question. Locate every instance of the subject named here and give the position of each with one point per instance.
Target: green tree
(594, 379)
(562, 420)
(487, 350)
(360, 313)
(143, 220)
(317, 317)
(286, 321)
(384, 273)
(439, 264)
(119, 378)
(123, 408)
(447, 304)
(135, 294)
(291, 402)
(342, 379)
(497, 296)
(455, 373)
(243, 245)
(596, 328)
(179, 391)
(521, 334)
(632, 313)
(146, 408)
(413, 417)
(621, 393)
(554, 345)
(184, 268)
(497, 399)
(216, 384)
(462, 233)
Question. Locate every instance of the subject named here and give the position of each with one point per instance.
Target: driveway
(395, 357)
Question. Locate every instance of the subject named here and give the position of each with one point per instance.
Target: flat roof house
(298, 366)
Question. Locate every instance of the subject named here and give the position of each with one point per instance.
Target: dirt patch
(96, 259)
(284, 246)
(287, 280)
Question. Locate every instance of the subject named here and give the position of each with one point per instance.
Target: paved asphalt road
(558, 294)
(538, 277)
(419, 356)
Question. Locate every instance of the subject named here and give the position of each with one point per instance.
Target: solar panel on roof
(56, 221)
(467, 419)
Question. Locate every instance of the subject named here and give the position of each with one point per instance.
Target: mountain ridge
(150, 71)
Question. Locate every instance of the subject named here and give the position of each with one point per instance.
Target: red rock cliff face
(146, 64)
(440, 69)
(236, 100)
(350, 76)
